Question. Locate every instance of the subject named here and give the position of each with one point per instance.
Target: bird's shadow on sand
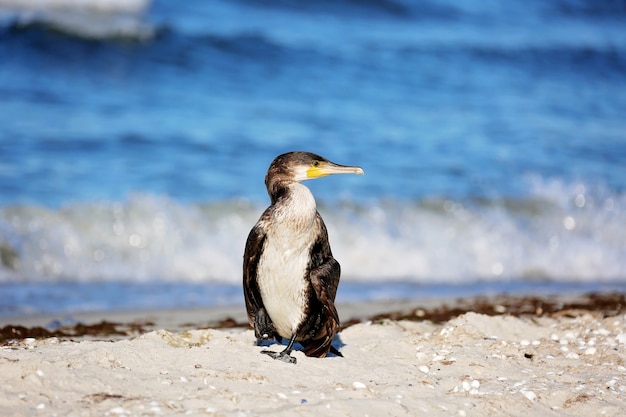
(337, 344)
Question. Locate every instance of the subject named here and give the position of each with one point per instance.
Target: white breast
(285, 257)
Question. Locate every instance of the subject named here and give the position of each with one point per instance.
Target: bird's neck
(295, 205)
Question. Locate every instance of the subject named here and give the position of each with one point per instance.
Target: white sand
(474, 365)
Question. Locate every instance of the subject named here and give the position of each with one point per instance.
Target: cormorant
(290, 277)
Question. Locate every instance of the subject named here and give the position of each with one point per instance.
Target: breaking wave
(558, 233)
(90, 19)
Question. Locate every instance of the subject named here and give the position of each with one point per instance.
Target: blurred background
(135, 135)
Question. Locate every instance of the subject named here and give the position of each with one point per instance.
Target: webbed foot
(283, 356)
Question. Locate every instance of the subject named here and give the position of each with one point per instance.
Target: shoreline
(436, 309)
(63, 299)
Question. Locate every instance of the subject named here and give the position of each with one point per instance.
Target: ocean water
(135, 135)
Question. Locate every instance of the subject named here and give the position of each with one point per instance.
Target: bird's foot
(283, 356)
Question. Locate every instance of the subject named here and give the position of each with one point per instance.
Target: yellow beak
(325, 168)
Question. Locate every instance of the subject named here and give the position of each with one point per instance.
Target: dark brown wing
(252, 253)
(325, 272)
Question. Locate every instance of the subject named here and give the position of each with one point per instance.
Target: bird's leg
(285, 354)
(335, 352)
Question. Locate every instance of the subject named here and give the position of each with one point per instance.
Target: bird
(290, 276)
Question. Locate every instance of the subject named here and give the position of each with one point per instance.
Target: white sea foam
(99, 6)
(559, 233)
(93, 19)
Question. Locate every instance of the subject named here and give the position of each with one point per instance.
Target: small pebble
(529, 394)
(358, 385)
(155, 409)
(499, 309)
(446, 330)
(591, 351)
(424, 369)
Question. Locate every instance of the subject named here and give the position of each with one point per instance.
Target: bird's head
(300, 166)
(293, 167)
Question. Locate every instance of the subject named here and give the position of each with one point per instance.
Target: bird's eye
(316, 163)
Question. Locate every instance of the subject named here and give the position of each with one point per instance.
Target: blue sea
(135, 136)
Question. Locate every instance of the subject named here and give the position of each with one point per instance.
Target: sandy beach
(565, 358)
